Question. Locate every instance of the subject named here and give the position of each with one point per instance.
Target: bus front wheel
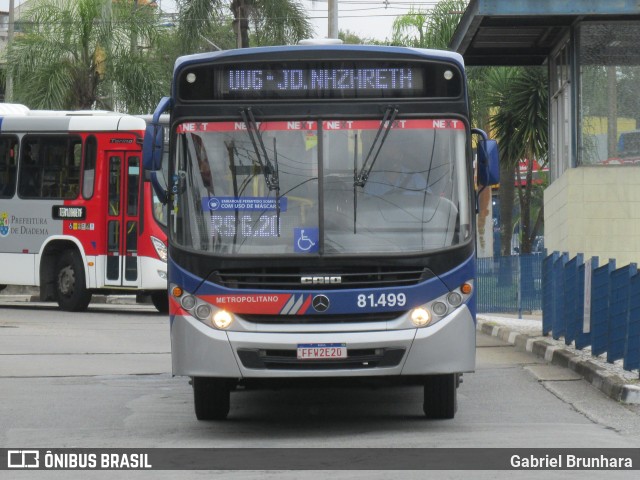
(71, 288)
(160, 300)
(440, 396)
(211, 398)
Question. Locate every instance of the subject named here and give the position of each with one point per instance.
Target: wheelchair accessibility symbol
(305, 240)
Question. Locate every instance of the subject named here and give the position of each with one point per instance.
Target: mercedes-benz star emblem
(320, 303)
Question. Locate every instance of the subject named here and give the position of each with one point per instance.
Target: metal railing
(509, 284)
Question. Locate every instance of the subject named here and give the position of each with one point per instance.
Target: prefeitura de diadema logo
(5, 226)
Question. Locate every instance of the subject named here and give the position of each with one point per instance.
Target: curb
(608, 383)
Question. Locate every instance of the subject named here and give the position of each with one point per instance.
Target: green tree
(272, 22)
(204, 26)
(83, 54)
(519, 123)
(349, 37)
(433, 28)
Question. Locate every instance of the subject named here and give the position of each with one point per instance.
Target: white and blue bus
(321, 219)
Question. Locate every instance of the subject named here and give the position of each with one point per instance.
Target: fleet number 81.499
(382, 300)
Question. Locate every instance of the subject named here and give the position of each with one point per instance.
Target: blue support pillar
(559, 326)
(585, 280)
(632, 343)
(619, 311)
(600, 291)
(572, 308)
(548, 292)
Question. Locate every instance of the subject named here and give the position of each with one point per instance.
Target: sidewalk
(526, 334)
(15, 293)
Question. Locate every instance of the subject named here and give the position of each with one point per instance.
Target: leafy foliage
(519, 97)
(271, 22)
(83, 54)
(429, 29)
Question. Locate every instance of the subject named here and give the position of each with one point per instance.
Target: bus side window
(8, 151)
(52, 181)
(89, 166)
(71, 171)
(29, 180)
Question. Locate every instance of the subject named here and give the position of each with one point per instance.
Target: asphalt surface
(524, 333)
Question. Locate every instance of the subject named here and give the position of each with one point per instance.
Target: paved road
(102, 379)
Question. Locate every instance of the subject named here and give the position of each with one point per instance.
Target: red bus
(77, 215)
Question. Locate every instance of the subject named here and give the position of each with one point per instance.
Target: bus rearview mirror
(152, 147)
(488, 163)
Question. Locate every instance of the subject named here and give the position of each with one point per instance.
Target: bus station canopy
(524, 32)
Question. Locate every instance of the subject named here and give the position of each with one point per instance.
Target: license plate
(321, 351)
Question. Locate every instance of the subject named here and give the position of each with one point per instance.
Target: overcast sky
(367, 19)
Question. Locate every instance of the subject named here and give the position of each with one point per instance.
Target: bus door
(123, 218)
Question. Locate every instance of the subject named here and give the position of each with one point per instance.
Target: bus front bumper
(445, 347)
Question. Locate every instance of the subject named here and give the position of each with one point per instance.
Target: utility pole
(8, 92)
(333, 18)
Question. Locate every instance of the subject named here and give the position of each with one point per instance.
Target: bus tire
(440, 396)
(160, 300)
(211, 398)
(71, 288)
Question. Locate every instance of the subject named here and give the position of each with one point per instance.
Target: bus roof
(25, 120)
(13, 109)
(383, 50)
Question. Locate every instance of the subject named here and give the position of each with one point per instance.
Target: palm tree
(83, 54)
(204, 26)
(519, 123)
(272, 22)
(429, 29)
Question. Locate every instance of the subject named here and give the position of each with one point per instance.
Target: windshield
(323, 188)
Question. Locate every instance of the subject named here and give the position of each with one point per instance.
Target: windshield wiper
(270, 173)
(355, 190)
(385, 126)
(275, 160)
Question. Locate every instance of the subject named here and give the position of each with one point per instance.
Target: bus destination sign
(322, 79)
(299, 80)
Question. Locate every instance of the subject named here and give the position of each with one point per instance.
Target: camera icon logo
(23, 459)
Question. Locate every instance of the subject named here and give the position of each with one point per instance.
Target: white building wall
(595, 211)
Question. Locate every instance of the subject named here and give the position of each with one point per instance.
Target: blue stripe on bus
(342, 300)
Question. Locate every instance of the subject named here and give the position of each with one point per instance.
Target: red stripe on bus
(305, 305)
(269, 303)
(328, 125)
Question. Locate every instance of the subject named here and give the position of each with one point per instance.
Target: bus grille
(363, 359)
(283, 278)
(322, 319)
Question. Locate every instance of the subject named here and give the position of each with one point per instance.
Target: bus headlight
(434, 311)
(454, 299)
(188, 302)
(208, 314)
(439, 308)
(420, 317)
(222, 319)
(161, 248)
(203, 312)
